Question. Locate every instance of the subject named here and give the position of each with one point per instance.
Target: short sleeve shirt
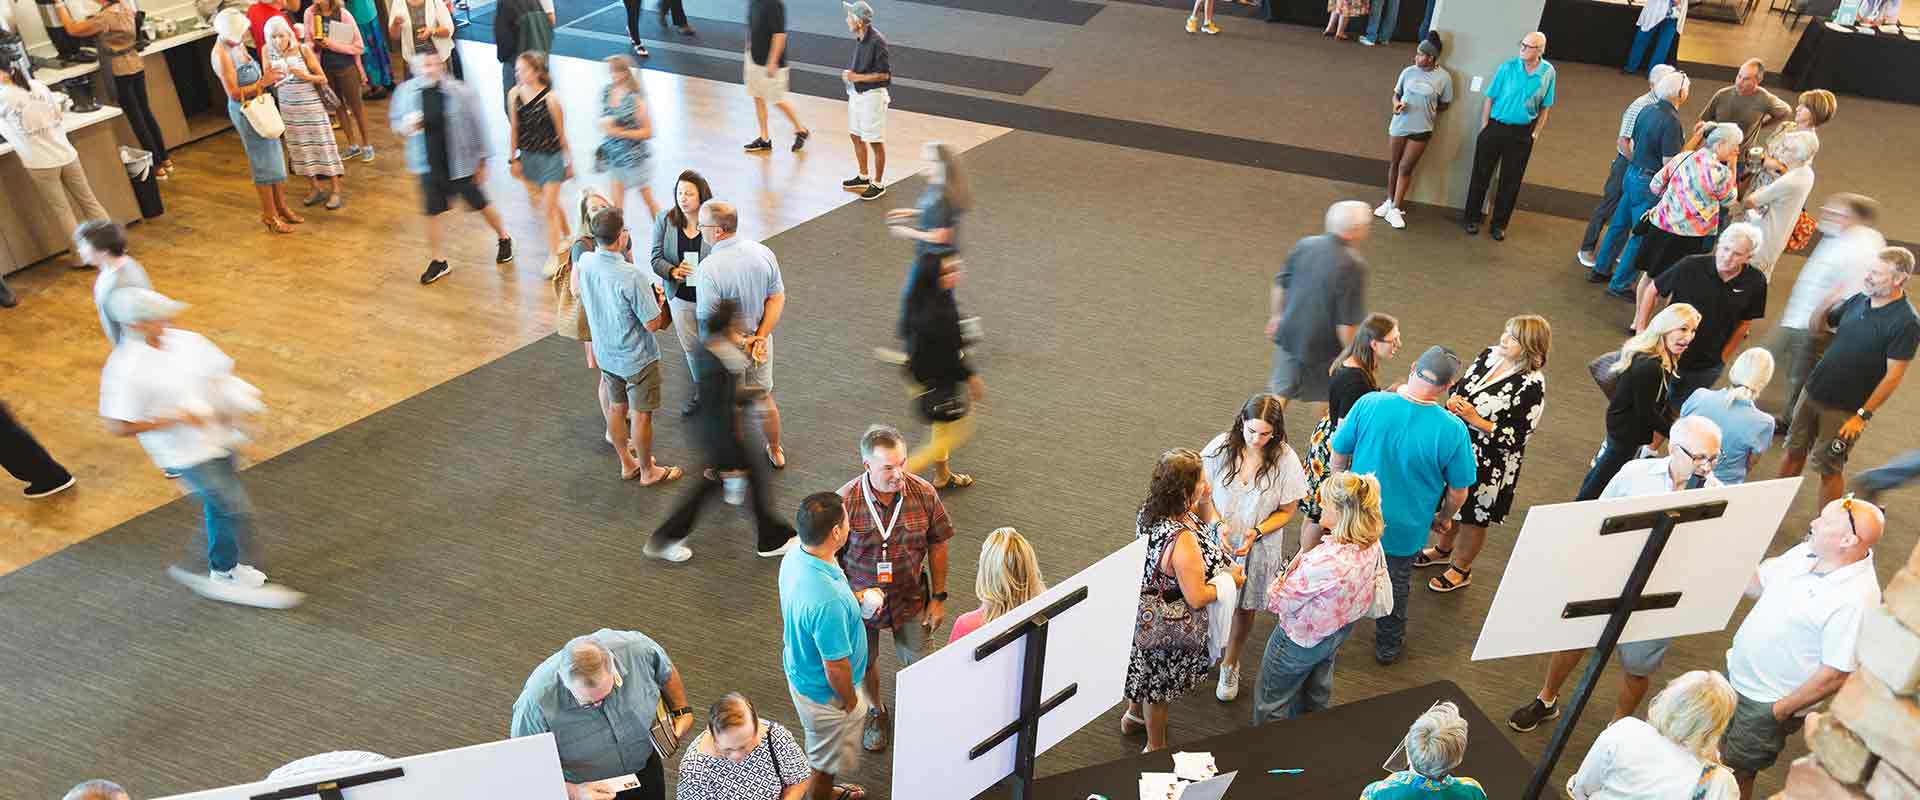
(741, 270)
(619, 302)
(921, 523)
(1746, 111)
(870, 56)
(604, 742)
(1632, 114)
(1518, 95)
(820, 622)
(1409, 785)
(765, 19)
(1864, 339)
(1325, 284)
(1803, 621)
(141, 382)
(1417, 450)
(772, 766)
(1722, 304)
(1423, 90)
(1745, 430)
(1656, 136)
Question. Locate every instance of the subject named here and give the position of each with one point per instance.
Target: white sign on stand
(526, 768)
(1562, 557)
(947, 702)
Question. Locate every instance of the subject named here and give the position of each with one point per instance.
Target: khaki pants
(56, 184)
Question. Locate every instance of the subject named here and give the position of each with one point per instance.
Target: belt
(1527, 124)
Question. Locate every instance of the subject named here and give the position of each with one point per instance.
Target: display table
(180, 84)
(1340, 749)
(27, 230)
(1882, 65)
(1593, 32)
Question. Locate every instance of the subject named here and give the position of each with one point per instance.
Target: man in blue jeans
(1420, 452)
(1611, 191)
(1380, 24)
(1657, 136)
(176, 392)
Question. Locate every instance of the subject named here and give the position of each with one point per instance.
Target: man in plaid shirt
(898, 530)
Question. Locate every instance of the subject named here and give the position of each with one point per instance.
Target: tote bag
(264, 115)
(1382, 585)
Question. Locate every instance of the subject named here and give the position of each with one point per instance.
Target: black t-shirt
(1345, 388)
(1864, 338)
(764, 19)
(1722, 304)
(433, 113)
(687, 245)
(870, 56)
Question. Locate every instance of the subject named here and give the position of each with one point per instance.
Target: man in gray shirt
(1747, 105)
(1317, 300)
(624, 305)
(597, 697)
(745, 271)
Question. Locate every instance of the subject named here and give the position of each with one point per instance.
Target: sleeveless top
(117, 37)
(246, 71)
(536, 125)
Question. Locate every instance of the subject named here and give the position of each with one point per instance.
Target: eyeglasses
(1525, 46)
(1698, 458)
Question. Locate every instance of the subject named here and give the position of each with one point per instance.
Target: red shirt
(257, 16)
(922, 523)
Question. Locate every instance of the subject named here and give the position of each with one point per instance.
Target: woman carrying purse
(311, 147)
(946, 385)
(246, 82)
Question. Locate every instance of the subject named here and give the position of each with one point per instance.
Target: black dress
(1514, 404)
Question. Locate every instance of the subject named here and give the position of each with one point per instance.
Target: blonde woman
(1673, 753)
(536, 125)
(592, 201)
(625, 154)
(1009, 575)
(1642, 408)
(1319, 598)
(1745, 430)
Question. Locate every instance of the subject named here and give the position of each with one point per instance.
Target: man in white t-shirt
(1796, 647)
(176, 392)
(1848, 247)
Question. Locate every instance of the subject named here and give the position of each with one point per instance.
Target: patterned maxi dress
(311, 149)
(1170, 654)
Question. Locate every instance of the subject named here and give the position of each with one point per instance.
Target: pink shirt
(967, 623)
(1328, 588)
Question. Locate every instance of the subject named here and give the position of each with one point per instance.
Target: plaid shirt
(923, 523)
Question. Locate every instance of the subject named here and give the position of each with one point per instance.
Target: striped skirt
(311, 149)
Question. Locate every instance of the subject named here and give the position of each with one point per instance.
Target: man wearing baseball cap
(176, 392)
(867, 79)
(1420, 452)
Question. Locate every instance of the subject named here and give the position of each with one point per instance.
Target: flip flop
(1126, 717)
(956, 480)
(673, 473)
(849, 791)
(778, 461)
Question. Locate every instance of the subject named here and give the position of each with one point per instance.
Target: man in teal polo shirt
(825, 643)
(598, 696)
(1513, 116)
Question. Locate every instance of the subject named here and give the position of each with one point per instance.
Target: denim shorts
(541, 169)
(1642, 659)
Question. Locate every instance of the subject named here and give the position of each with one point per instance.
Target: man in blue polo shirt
(1513, 116)
(825, 643)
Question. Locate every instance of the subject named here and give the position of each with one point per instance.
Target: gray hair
(1343, 217)
(1722, 132)
(1693, 431)
(1799, 147)
(723, 214)
(1672, 85)
(1437, 741)
(585, 661)
(1659, 73)
(95, 789)
(878, 436)
(1754, 237)
(1750, 374)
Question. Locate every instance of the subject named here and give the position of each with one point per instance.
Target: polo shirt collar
(1842, 575)
(726, 243)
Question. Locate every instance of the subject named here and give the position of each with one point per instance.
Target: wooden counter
(28, 232)
(166, 69)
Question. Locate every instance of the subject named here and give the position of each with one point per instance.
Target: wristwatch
(683, 711)
(1863, 413)
(940, 596)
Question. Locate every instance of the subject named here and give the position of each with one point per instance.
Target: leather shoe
(1597, 277)
(1626, 295)
(1473, 229)
(693, 405)
(1498, 234)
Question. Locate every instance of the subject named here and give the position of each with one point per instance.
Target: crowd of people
(1397, 475)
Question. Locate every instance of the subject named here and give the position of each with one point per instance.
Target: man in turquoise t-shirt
(1420, 452)
(825, 641)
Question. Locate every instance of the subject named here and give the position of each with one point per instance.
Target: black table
(1884, 65)
(1340, 748)
(1593, 32)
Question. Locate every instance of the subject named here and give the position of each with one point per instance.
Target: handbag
(569, 318)
(328, 99)
(1604, 375)
(1802, 234)
(943, 403)
(1382, 585)
(264, 115)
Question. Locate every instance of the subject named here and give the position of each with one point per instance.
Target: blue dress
(629, 160)
(263, 155)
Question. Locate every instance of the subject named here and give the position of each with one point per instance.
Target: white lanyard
(866, 493)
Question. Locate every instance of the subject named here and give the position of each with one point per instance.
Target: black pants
(132, 93)
(1614, 454)
(1507, 147)
(653, 783)
(634, 7)
(769, 531)
(24, 458)
(678, 9)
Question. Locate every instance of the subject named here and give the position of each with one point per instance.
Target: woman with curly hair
(1181, 577)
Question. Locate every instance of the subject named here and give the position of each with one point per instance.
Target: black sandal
(1421, 561)
(1443, 584)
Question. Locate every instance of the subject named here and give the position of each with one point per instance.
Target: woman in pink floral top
(1693, 189)
(1319, 598)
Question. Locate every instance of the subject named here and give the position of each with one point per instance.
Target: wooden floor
(331, 321)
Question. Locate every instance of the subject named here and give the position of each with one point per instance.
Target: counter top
(72, 122)
(53, 76)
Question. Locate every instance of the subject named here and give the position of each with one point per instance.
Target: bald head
(1846, 530)
(1695, 447)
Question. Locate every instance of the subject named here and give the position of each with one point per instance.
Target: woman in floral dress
(1184, 557)
(1501, 398)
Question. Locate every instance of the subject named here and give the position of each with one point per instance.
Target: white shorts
(761, 87)
(867, 115)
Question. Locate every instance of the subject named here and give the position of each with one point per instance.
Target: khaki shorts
(833, 736)
(638, 393)
(761, 87)
(758, 378)
(1754, 739)
(1812, 432)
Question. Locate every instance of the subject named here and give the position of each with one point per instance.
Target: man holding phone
(898, 529)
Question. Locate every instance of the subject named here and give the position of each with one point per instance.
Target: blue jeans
(1426, 22)
(1380, 24)
(1296, 680)
(1613, 455)
(1898, 472)
(1391, 630)
(1619, 248)
(224, 504)
(1609, 200)
(1662, 34)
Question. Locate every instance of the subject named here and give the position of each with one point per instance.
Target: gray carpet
(452, 541)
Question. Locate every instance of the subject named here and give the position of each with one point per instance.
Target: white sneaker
(1229, 687)
(244, 576)
(676, 553)
(789, 544)
(232, 587)
(1381, 210)
(890, 356)
(1395, 219)
(1585, 258)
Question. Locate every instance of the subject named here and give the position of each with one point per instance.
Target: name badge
(885, 571)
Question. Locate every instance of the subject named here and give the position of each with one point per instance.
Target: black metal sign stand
(1618, 610)
(332, 789)
(1032, 708)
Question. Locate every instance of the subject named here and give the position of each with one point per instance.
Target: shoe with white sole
(35, 491)
(1586, 259)
(1381, 210)
(1395, 219)
(1229, 687)
(242, 585)
(789, 544)
(675, 552)
(1193, 25)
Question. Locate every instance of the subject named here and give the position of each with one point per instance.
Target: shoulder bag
(569, 318)
(1802, 235)
(1382, 585)
(943, 403)
(264, 115)
(665, 741)
(1604, 375)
